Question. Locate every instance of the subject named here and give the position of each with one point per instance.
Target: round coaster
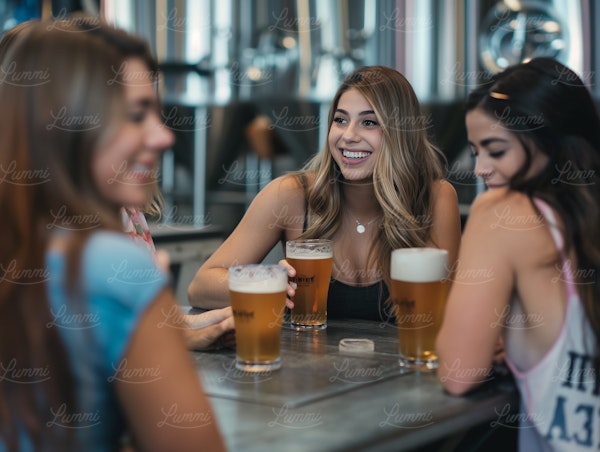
(357, 345)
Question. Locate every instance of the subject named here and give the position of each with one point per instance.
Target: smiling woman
(126, 162)
(377, 185)
(82, 301)
(535, 132)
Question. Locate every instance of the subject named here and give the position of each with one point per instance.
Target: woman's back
(119, 282)
(548, 340)
(521, 248)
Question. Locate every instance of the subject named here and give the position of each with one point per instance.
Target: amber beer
(257, 295)
(419, 291)
(312, 259)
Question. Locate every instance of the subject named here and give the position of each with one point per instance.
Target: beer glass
(313, 260)
(418, 293)
(258, 294)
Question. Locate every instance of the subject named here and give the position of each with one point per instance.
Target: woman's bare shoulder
(502, 204)
(508, 219)
(287, 183)
(288, 187)
(444, 190)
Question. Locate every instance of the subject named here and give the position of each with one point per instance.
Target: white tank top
(560, 395)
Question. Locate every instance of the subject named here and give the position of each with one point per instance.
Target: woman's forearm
(209, 289)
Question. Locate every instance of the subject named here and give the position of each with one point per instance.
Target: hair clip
(500, 96)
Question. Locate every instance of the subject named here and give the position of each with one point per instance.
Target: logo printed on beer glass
(401, 419)
(243, 315)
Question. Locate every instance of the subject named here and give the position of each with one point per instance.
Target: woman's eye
(497, 154)
(137, 116)
(339, 120)
(370, 123)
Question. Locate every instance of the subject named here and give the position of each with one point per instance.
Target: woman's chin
(356, 176)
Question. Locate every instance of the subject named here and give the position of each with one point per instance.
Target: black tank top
(353, 302)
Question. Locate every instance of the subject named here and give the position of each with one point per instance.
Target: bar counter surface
(324, 399)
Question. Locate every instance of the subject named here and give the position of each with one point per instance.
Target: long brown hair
(127, 46)
(407, 166)
(546, 105)
(51, 69)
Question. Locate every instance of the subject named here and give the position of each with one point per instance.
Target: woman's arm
(168, 411)
(445, 229)
(278, 208)
(481, 289)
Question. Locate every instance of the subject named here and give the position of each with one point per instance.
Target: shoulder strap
(305, 190)
(566, 266)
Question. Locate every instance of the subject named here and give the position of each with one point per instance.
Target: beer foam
(310, 254)
(419, 264)
(268, 286)
(258, 278)
(309, 249)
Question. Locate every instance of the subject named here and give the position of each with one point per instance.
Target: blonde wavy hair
(406, 168)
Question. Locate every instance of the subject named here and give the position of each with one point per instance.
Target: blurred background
(247, 84)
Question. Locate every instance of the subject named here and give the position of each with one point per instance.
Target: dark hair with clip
(548, 108)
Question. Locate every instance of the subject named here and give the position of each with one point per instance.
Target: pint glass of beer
(418, 293)
(258, 294)
(312, 259)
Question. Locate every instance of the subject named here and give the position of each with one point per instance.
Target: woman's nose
(482, 169)
(159, 136)
(350, 133)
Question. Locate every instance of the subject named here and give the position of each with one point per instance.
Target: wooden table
(326, 400)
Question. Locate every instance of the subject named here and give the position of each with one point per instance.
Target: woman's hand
(163, 260)
(210, 330)
(291, 288)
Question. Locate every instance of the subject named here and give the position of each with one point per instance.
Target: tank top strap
(304, 184)
(566, 269)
